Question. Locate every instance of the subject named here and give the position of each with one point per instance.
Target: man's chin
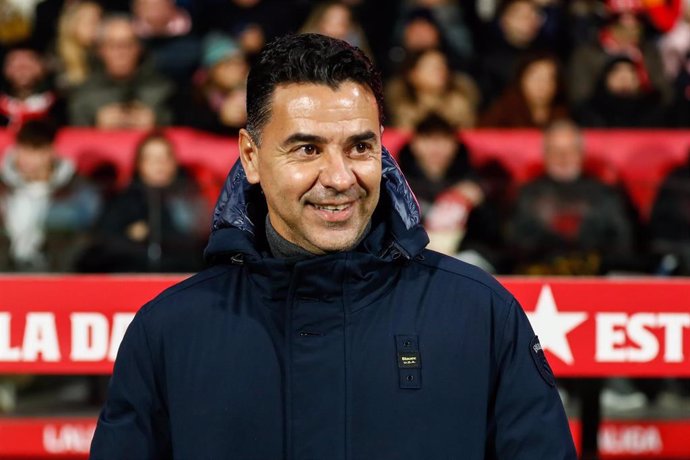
(329, 241)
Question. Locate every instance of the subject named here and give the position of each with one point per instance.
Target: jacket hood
(396, 223)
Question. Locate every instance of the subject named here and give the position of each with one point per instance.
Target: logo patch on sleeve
(540, 361)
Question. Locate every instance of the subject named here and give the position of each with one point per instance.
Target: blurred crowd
(554, 65)
(487, 63)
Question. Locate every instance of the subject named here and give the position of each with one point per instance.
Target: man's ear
(249, 156)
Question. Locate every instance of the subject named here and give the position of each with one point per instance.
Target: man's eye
(308, 150)
(362, 147)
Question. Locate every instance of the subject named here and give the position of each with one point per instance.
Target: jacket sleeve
(528, 421)
(134, 422)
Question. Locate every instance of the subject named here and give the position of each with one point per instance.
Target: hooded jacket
(387, 351)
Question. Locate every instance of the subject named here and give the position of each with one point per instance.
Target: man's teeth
(331, 208)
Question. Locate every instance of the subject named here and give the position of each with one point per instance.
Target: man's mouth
(334, 213)
(332, 208)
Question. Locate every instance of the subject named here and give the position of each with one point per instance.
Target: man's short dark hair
(305, 58)
(435, 124)
(36, 133)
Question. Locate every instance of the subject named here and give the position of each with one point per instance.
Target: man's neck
(284, 249)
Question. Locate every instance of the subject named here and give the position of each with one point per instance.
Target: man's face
(434, 153)
(319, 164)
(156, 13)
(420, 34)
(119, 49)
(623, 80)
(563, 156)
(520, 23)
(23, 69)
(34, 163)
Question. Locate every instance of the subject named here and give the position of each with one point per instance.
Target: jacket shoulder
(182, 295)
(464, 273)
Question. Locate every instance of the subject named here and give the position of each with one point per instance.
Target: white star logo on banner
(552, 326)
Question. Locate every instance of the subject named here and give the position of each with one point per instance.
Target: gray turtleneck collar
(284, 249)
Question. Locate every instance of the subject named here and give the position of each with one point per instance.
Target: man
(45, 208)
(126, 93)
(670, 222)
(166, 31)
(463, 208)
(623, 33)
(437, 168)
(325, 330)
(26, 94)
(567, 222)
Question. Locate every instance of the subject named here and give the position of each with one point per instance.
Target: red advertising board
(588, 327)
(68, 324)
(607, 327)
(70, 438)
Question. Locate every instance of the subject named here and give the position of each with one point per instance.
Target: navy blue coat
(389, 351)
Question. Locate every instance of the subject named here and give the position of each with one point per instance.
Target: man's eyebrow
(302, 137)
(314, 139)
(361, 137)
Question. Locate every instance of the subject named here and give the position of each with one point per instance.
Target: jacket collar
(396, 229)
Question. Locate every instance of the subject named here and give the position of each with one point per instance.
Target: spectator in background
(419, 31)
(675, 52)
(216, 101)
(26, 92)
(424, 24)
(463, 208)
(434, 160)
(516, 32)
(622, 34)
(251, 23)
(584, 20)
(76, 41)
(45, 207)
(126, 92)
(166, 32)
(159, 223)
(670, 246)
(670, 223)
(566, 222)
(621, 101)
(426, 85)
(535, 98)
(335, 19)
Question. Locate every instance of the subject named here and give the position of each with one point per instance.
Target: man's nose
(336, 172)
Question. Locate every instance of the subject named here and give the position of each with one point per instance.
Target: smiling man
(318, 164)
(324, 329)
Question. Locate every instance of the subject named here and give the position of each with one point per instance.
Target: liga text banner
(587, 327)
(70, 438)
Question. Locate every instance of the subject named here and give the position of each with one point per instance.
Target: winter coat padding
(388, 351)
